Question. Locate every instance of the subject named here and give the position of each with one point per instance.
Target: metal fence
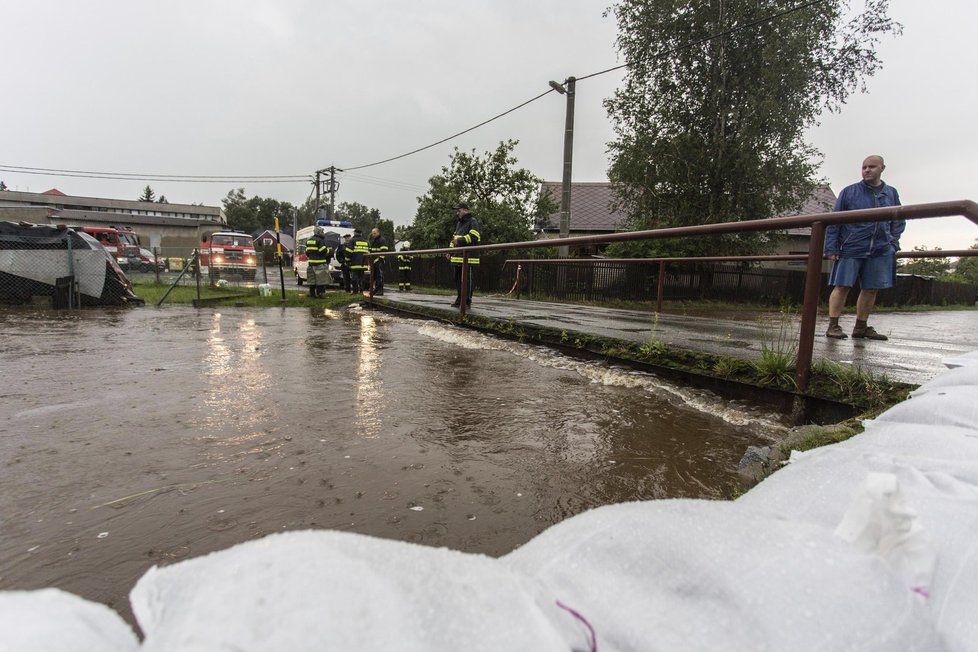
(53, 267)
(591, 280)
(167, 265)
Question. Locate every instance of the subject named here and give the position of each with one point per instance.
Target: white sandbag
(937, 468)
(958, 377)
(949, 406)
(325, 590)
(698, 575)
(964, 360)
(52, 620)
(880, 521)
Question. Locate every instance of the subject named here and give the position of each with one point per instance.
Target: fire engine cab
(228, 254)
(121, 243)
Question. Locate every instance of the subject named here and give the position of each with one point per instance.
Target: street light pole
(565, 195)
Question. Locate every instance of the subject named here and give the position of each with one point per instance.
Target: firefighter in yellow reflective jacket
(466, 235)
(378, 244)
(318, 252)
(403, 271)
(358, 248)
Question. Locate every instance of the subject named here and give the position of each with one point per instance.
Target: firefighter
(359, 247)
(343, 252)
(466, 235)
(377, 244)
(404, 270)
(318, 252)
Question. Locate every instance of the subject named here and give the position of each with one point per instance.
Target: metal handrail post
(463, 286)
(660, 288)
(197, 270)
(809, 309)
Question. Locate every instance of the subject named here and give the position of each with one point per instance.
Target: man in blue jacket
(864, 251)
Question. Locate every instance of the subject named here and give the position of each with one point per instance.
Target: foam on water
(611, 376)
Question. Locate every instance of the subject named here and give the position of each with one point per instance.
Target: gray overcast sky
(271, 87)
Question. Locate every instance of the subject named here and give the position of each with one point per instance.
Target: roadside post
(278, 251)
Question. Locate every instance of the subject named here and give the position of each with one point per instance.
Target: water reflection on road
(141, 437)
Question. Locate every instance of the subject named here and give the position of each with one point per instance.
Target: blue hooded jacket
(864, 239)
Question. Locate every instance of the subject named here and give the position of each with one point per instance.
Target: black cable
(304, 178)
(173, 179)
(421, 149)
(595, 74)
(753, 23)
(143, 176)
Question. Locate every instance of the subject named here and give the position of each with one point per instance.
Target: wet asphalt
(918, 343)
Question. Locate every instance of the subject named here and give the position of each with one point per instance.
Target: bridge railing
(817, 222)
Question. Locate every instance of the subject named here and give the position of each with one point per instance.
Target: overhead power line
(443, 140)
(727, 32)
(753, 23)
(305, 178)
(143, 176)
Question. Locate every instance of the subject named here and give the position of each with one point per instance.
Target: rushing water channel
(141, 437)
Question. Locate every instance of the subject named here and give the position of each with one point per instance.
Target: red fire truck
(228, 254)
(121, 243)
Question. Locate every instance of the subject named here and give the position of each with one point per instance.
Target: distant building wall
(175, 227)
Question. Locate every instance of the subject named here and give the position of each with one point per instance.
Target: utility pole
(315, 213)
(333, 187)
(565, 195)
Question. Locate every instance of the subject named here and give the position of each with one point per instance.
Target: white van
(334, 235)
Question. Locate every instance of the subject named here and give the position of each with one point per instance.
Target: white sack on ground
(964, 360)
(326, 590)
(699, 575)
(958, 377)
(937, 470)
(948, 406)
(52, 620)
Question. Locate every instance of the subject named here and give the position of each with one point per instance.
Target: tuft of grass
(775, 368)
(857, 386)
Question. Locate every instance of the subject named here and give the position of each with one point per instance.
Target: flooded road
(141, 437)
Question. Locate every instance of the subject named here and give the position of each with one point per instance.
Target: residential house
(592, 214)
(265, 243)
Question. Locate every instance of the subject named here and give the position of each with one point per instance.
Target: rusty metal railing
(818, 222)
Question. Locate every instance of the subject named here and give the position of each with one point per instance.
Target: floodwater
(131, 438)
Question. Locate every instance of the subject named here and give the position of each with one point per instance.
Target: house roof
(591, 206)
(287, 241)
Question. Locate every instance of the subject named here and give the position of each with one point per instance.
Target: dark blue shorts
(875, 273)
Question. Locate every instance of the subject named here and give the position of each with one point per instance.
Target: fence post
(661, 286)
(197, 270)
(809, 309)
(463, 286)
(156, 263)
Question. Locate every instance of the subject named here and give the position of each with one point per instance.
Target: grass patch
(856, 386)
(240, 297)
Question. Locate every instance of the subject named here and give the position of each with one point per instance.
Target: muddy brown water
(143, 437)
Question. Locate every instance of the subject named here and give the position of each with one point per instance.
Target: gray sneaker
(836, 333)
(869, 333)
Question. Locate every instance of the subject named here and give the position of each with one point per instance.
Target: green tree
(401, 232)
(306, 213)
(711, 130)
(148, 195)
(505, 199)
(967, 268)
(935, 267)
(255, 214)
(162, 200)
(3, 186)
(362, 217)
